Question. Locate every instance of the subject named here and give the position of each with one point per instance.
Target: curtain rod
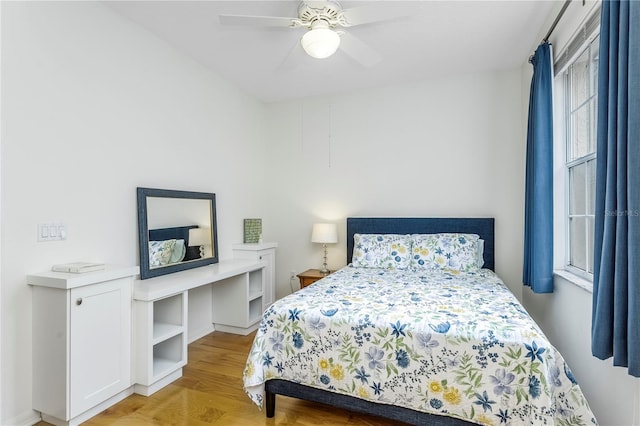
(553, 26)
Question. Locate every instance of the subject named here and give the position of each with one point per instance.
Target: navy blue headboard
(178, 232)
(484, 227)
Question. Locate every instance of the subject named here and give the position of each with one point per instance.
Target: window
(580, 107)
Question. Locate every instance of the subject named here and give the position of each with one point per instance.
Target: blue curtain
(615, 327)
(538, 214)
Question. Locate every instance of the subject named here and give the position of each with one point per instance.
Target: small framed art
(252, 230)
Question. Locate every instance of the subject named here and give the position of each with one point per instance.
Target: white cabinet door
(100, 343)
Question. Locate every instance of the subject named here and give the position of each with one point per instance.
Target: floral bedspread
(443, 342)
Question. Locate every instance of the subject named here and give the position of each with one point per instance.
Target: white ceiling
(438, 39)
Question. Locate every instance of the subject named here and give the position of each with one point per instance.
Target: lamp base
(324, 270)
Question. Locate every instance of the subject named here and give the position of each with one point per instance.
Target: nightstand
(310, 276)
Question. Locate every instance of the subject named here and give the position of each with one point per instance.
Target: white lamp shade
(326, 233)
(320, 43)
(200, 237)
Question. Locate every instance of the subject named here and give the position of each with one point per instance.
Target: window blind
(578, 43)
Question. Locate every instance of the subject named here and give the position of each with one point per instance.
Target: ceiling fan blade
(292, 61)
(258, 21)
(367, 14)
(358, 50)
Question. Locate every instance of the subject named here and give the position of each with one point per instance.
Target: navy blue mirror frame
(143, 232)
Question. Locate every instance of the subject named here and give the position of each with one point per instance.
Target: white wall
(1, 214)
(565, 315)
(92, 107)
(447, 147)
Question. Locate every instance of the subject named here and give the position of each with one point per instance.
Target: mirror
(176, 230)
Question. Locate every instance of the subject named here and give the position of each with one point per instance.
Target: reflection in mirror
(177, 230)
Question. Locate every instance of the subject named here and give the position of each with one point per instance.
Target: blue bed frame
(484, 227)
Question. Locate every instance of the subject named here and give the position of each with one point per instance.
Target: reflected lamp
(200, 237)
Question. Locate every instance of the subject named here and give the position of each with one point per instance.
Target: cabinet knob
(79, 301)
(260, 257)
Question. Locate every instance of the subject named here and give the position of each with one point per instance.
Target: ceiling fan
(324, 20)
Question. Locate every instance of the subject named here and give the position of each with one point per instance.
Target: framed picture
(252, 230)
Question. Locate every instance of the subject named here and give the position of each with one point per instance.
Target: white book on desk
(78, 267)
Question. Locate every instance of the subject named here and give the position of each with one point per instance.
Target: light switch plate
(52, 232)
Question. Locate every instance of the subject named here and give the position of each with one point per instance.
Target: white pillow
(178, 252)
(445, 251)
(390, 251)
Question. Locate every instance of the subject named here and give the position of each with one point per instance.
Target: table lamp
(200, 237)
(324, 233)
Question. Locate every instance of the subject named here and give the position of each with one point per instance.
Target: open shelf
(163, 331)
(161, 312)
(255, 284)
(168, 355)
(162, 366)
(168, 318)
(255, 310)
(168, 310)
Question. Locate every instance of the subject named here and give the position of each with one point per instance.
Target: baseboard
(197, 334)
(154, 387)
(27, 418)
(93, 411)
(236, 330)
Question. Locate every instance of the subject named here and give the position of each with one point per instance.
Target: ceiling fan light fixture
(320, 43)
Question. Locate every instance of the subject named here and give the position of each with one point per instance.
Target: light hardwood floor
(210, 393)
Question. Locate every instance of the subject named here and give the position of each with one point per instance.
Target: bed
(416, 328)
(178, 253)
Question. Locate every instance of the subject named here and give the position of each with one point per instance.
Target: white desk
(161, 305)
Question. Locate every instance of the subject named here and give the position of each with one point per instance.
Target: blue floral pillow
(160, 252)
(390, 251)
(445, 251)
